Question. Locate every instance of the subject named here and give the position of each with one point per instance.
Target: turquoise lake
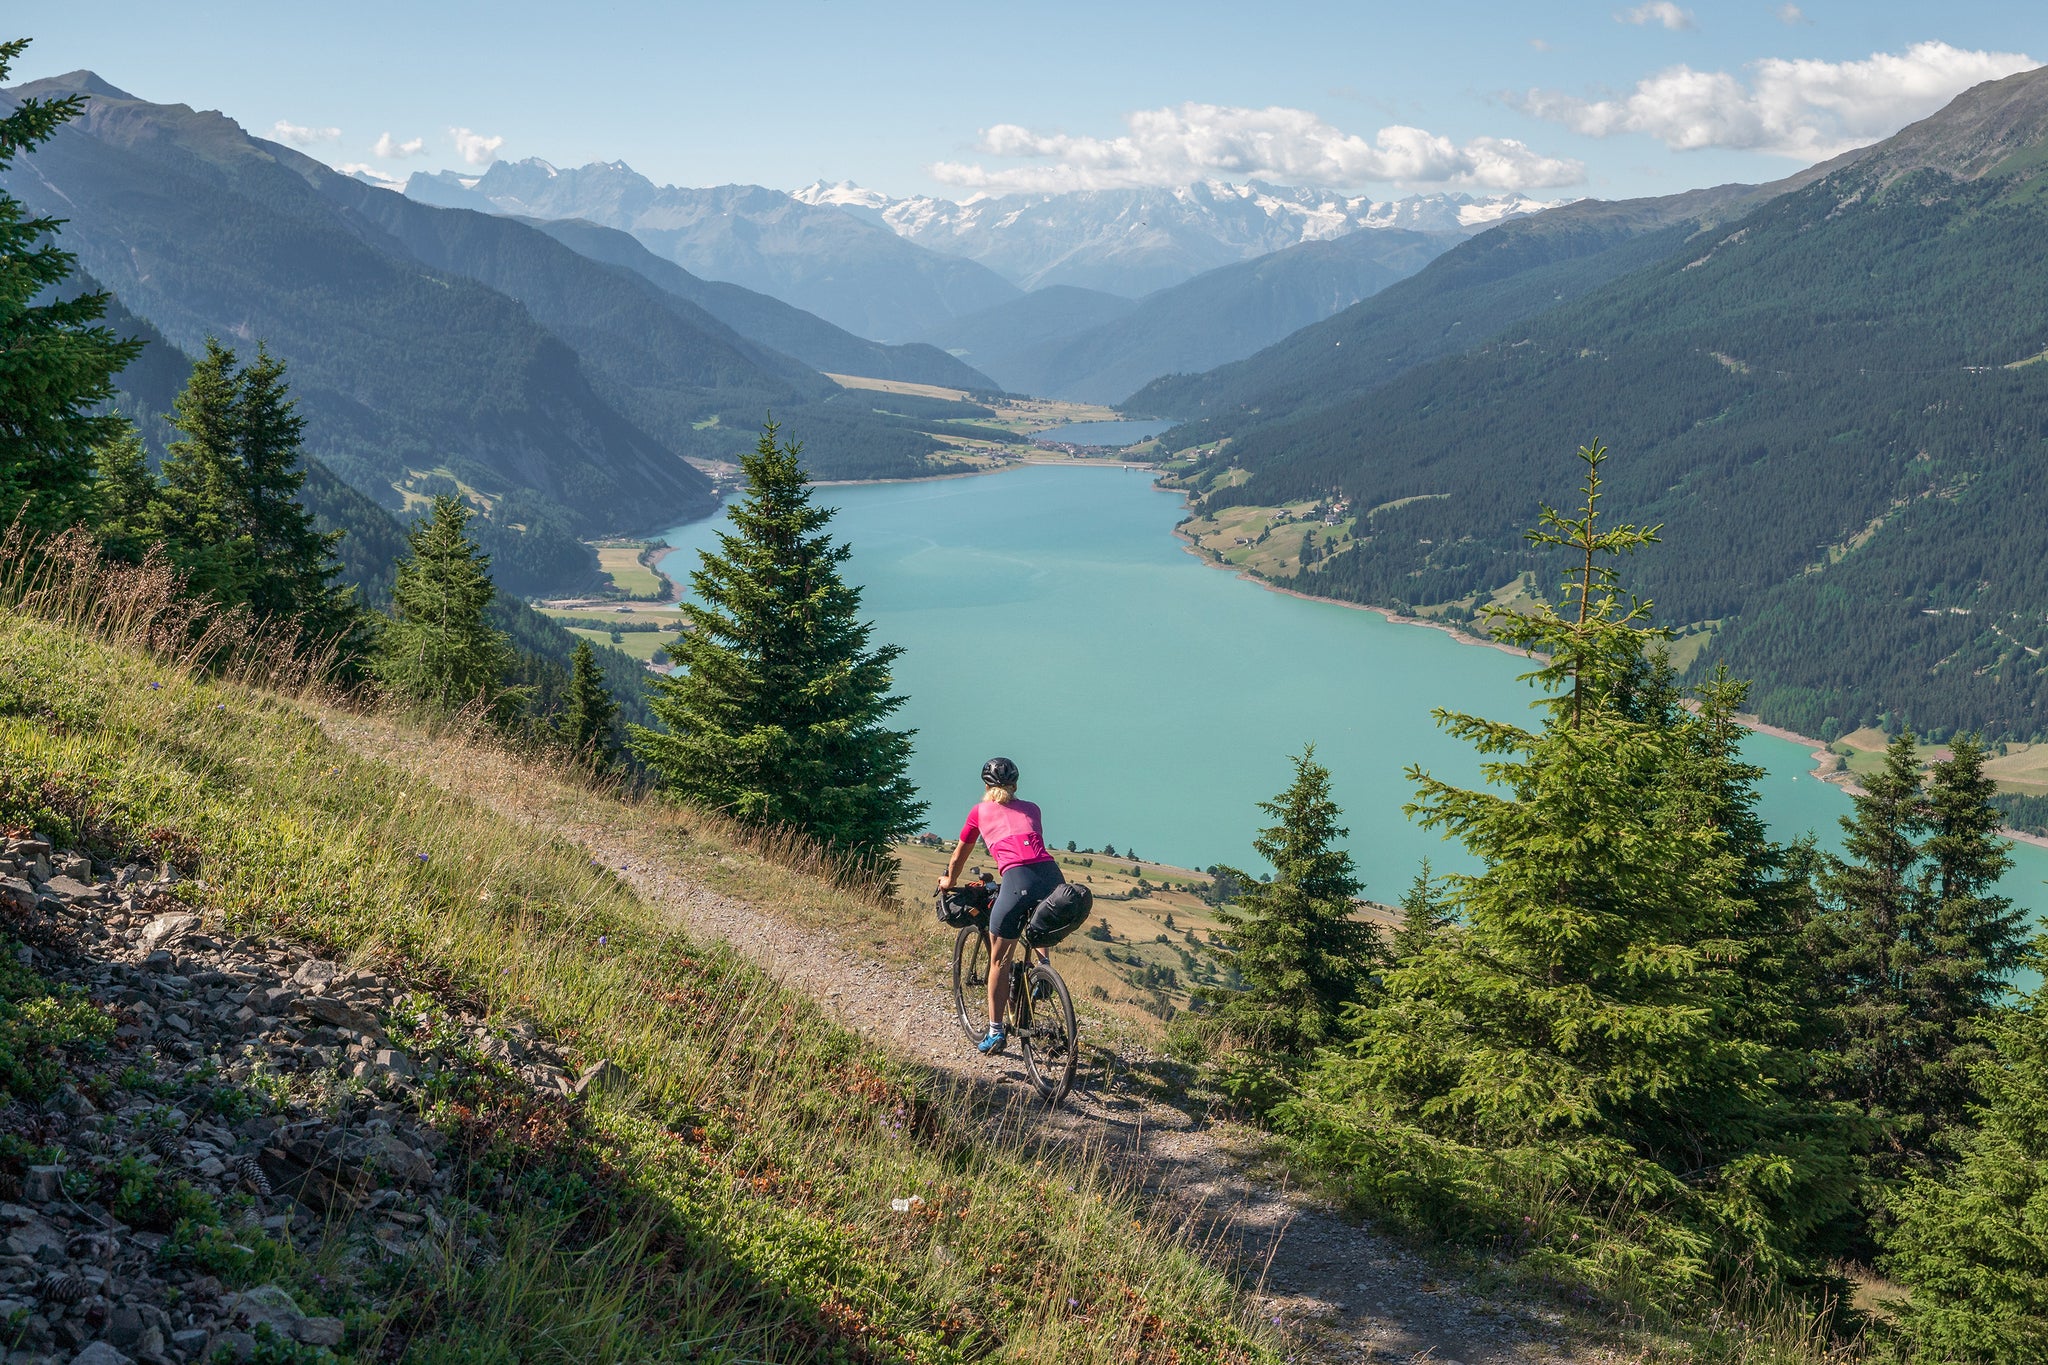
(1104, 433)
(1049, 614)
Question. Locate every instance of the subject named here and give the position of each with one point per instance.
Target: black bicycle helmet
(999, 772)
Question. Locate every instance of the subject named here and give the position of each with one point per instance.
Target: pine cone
(65, 1287)
(253, 1178)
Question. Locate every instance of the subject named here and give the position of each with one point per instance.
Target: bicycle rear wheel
(970, 982)
(1052, 1044)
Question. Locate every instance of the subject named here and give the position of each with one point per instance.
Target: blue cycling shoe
(998, 1039)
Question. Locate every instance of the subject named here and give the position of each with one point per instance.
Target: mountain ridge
(1137, 241)
(854, 274)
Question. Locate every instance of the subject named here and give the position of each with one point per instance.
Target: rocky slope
(245, 1105)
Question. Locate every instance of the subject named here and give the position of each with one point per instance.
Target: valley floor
(1341, 1291)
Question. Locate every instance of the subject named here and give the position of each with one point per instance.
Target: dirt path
(1343, 1291)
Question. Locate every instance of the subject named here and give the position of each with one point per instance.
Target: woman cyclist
(1015, 836)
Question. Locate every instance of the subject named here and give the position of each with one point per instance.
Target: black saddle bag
(1060, 914)
(963, 905)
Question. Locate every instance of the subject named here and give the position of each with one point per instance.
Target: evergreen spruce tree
(1976, 937)
(1916, 944)
(1591, 1045)
(1300, 951)
(439, 648)
(228, 512)
(296, 561)
(59, 366)
(777, 715)
(1973, 1245)
(125, 496)
(199, 517)
(1425, 915)
(589, 715)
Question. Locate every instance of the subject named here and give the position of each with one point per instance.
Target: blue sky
(1553, 100)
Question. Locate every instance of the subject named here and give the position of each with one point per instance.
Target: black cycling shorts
(1024, 886)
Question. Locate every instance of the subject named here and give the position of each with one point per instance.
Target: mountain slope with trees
(771, 322)
(1514, 271)
(205, 231)
(428, 341)
(1837, 394)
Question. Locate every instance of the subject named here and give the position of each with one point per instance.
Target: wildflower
(603, 939)
(423, 857)
(155, 686)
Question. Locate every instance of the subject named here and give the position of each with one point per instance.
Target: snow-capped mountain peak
(1133, 241)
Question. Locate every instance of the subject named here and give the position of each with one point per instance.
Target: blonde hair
(1002, 796)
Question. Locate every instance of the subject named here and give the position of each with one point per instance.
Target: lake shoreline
(1821, 753)
(1077, 463)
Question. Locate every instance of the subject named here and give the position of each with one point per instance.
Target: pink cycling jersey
(1013, 833)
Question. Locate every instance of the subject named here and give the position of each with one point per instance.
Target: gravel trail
(1341, 1290)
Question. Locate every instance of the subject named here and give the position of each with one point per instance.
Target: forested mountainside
(851, 272)
(427, 340)
(373, 539)
(205, 230)
(1219, 316)
(767, 320)
(1460, 298)
(1841, 396)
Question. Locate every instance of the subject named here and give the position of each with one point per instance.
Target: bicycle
(1041, 1009)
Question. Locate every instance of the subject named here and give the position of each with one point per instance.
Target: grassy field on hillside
(621, 562)
(753, 1155)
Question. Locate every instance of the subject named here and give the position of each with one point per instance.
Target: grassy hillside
(731, 1201)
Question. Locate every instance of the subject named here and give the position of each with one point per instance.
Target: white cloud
(1792, 14)
(1805, 109)
(390, 148)
(1540, 44)
(1657, 12)
(298, 135)
(475, 148)
(1195, 141)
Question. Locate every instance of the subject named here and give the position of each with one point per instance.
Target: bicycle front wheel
(970, 982)
(1052, 1044)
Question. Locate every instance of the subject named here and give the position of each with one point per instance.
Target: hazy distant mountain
(857, 274)
(767, 320)
(1216, 317)
(993, 339)
(1134, 242)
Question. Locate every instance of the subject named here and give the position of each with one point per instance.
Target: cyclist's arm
(960, 857)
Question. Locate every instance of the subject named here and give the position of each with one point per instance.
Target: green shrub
(38, 1023)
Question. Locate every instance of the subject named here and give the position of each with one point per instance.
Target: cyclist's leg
(999, 976)
(1023, 887)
